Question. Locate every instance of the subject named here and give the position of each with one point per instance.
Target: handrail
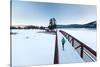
(56, 57)
(84, 49)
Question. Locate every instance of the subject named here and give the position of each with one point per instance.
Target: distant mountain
(88, 25)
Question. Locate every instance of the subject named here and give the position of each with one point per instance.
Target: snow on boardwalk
(69, 55)
(32, 48)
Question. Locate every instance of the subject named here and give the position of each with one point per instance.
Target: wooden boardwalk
(85, 52)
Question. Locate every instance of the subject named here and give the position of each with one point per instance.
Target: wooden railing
(86, 53)
(56, 57)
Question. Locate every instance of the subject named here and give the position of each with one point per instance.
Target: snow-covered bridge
(69, 55)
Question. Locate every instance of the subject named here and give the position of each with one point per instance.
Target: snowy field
(32, 47)
(87, 36)
(69, 55)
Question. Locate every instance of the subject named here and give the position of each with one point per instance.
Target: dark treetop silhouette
(52, 24)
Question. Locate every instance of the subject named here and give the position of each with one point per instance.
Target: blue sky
(39, 13)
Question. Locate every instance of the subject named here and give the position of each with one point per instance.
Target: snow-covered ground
(33, 47)
(87, 36)
(69, 55)
(29, 47)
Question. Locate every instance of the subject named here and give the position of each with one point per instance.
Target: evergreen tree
(52, 24)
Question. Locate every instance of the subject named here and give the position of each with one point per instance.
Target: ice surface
(29, 47)
(69, 55)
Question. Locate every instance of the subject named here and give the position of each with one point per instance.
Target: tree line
(51, 26)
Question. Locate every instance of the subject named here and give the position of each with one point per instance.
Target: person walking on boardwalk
(63, 42)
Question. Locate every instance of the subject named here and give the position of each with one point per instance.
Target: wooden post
(81, 54)
(68, 37)
(72, 42)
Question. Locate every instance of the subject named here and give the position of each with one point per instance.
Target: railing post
(81, 54)
(68, 37)
(72, 42)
